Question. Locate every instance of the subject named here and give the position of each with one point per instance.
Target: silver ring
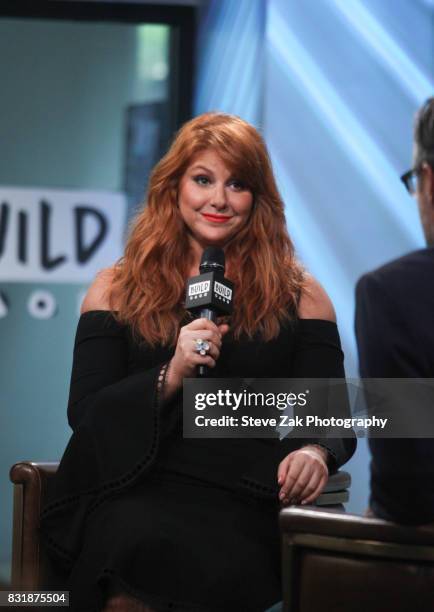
(201, 346)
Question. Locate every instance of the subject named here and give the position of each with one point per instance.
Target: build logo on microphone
(199, 290)
(223, 292)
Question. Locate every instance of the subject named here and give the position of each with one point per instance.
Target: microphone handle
(211, 315)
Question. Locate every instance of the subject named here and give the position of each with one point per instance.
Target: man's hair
(424, 134)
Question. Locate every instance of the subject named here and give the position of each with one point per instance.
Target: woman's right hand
(186, 358)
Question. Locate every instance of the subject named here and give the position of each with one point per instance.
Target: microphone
(210, 294)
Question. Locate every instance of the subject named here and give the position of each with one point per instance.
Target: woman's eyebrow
(199, 167)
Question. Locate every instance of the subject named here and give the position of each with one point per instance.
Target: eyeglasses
(410, 180)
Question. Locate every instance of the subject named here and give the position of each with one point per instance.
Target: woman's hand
(303, 475)
(186, 358)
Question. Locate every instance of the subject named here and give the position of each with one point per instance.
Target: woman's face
(213, 203)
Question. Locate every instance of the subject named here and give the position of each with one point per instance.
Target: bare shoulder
(98, 294)
(314, 302)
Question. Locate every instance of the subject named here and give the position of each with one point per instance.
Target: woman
(140, 516)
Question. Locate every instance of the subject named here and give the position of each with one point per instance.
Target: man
(395, 337)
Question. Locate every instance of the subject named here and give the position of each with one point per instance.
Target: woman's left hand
(303, 475)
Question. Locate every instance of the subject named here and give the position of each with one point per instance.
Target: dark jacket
(395, 338)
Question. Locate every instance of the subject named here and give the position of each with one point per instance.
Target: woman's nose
(219, 199)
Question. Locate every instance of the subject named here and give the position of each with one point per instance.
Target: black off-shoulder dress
(186, 525)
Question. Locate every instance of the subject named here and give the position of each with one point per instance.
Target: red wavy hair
(149, 280)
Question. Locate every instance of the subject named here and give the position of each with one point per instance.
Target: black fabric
(184, 524)
(395, 338)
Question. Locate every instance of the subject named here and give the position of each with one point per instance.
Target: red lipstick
(215, 218)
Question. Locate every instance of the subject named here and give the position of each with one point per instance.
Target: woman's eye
(238, 185)
(201, 180)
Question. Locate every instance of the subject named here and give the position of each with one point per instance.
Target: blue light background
(333, 85)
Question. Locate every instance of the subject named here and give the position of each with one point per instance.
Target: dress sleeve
(115, 417)
(100, 362)
(319, 354)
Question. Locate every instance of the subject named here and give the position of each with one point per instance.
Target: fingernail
(281, 495)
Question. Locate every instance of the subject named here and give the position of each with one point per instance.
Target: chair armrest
(338, 481)
(337, 561)
(321, 521)
(335, 491)
(33, 474)
(30, 480)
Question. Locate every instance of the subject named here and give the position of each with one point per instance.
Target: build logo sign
(56, 236)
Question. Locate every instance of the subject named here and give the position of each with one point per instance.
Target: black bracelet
(162, 379)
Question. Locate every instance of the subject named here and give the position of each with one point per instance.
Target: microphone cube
(210, 290)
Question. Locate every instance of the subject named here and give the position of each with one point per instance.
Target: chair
(336, 492)
(340, 562)
(31, 568)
